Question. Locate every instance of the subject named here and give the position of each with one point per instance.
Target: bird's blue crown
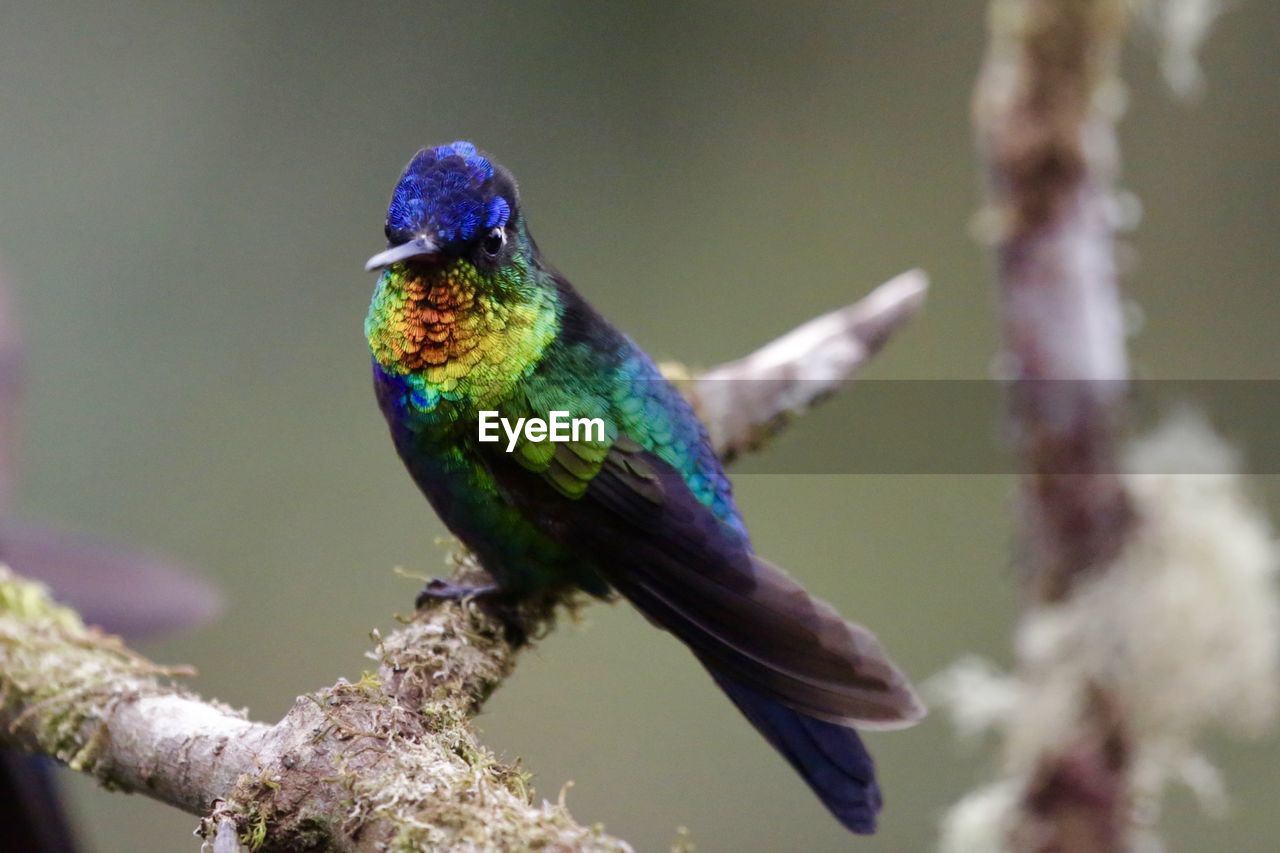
(451, 193)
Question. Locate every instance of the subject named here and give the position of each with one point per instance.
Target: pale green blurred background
(187, 193)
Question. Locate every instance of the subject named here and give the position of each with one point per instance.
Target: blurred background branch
(1130, 600)
(1047, 131)
(392, 759)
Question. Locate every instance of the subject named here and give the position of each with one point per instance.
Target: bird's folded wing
(695, 576)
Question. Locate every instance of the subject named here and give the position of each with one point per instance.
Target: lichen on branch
(1141, 623)
(60, 677)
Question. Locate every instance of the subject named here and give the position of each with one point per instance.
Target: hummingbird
(468, 317)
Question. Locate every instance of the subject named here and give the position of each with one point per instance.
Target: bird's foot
(497, 602)
(441, 589)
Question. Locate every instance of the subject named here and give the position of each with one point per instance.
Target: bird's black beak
(418, 247)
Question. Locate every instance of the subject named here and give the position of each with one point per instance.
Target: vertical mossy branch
(1045, 123)
(390, 762)
(1149, 607)
(1150, 610)
(1044, 111)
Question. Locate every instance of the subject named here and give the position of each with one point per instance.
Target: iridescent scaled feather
(454, 336)
(468, 316)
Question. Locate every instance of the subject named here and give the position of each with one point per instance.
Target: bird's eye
(493, 242)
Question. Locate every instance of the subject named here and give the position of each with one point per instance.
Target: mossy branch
(1113, 582)
(1046, 123)
(390, 762)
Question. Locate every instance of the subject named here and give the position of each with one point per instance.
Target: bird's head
(453, 204)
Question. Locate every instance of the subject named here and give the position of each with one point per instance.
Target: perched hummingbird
(469, 317)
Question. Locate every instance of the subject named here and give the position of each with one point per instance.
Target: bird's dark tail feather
(800, 673)
(830, 758)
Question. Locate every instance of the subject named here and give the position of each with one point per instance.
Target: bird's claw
(440, 589)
